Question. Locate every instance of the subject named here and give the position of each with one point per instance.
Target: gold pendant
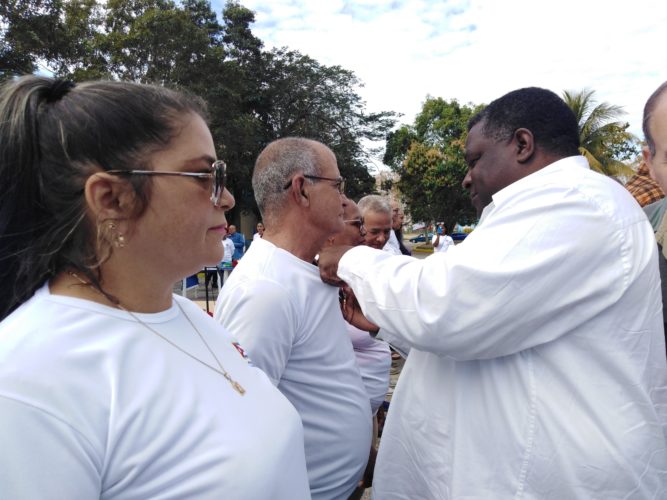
(238, 387)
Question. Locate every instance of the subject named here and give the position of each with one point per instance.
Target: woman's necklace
(237, 387)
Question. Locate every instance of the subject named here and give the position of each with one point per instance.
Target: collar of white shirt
(523, 183)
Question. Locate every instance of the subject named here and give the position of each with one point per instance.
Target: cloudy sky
(477, 50)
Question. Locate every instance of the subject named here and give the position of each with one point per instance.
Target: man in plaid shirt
(643, 188)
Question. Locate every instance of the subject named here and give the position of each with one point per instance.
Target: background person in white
(441, 241)
(225, 267)
(538, 367)
(260, 231)
(111, 386)
(398, 230)
(392, 245)
(290, 322)
(228, 246)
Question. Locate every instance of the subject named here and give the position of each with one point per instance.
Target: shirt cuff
(355, 260)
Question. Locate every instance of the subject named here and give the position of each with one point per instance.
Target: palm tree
(600, 134)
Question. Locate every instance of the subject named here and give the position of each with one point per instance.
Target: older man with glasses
(290, 322)
(378, 219)
(377, 215)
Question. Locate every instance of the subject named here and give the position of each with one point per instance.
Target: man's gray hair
(279, 161)
(374, 203)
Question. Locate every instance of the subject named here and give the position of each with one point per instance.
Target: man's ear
(299, 190)
(524, 142)
(648, 159)
(110, 197)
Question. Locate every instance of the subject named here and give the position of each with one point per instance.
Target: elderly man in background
(538, 364)
(378, 219)
(392, 245)
(655, 157)
(398, 230)
(290, 322)
(377, 215)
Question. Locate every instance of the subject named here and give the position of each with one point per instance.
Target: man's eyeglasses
(359, 223)
(339, 182)
(218, 175)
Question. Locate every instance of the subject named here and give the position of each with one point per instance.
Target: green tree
(155, 41)
(55, 35)
(429, 158)
(605, 141)
(254, 96)
(233, 98)
(397, 146)
(301, 97)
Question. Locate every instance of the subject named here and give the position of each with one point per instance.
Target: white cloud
(477, 50)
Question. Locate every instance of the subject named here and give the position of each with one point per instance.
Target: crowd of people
(535, 350)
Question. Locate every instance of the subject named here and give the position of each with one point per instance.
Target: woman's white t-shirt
(95, 405)
(444, 244)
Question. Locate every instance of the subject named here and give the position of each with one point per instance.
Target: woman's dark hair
(53, 136)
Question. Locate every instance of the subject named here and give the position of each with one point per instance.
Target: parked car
(421, 238)
(459, 236)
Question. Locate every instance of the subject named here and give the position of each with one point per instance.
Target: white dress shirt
(392, 245)
(537, 368)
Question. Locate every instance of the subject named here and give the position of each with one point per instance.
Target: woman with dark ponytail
(110, 385)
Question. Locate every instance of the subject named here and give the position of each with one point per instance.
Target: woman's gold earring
(119, 241)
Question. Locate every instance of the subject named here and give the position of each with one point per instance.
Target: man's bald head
(275, 166)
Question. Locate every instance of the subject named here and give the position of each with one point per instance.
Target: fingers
(333, 281)
(328, 264)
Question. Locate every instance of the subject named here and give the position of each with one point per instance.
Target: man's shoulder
(569, 181)
(263, 269)
(255, 269)
(253, 294)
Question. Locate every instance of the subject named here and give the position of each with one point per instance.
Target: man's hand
(328, 264)
(352, 312)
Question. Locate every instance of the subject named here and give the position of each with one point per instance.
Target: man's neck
(299, 243)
